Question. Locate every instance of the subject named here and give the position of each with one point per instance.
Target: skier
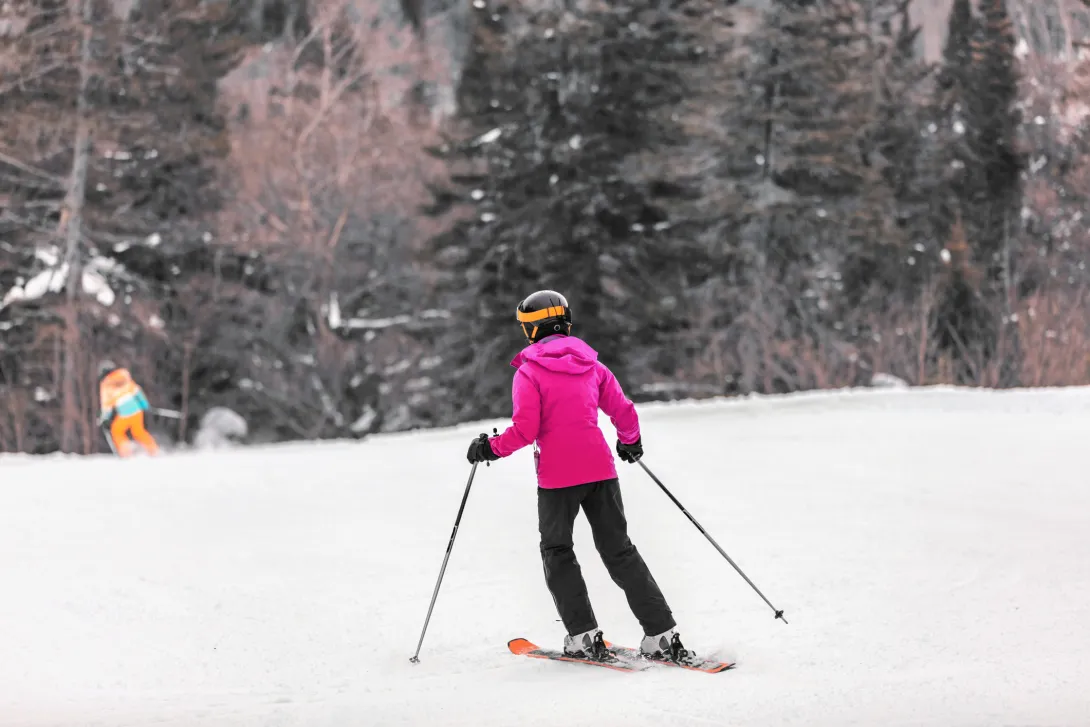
(558, 387)
(122, 406)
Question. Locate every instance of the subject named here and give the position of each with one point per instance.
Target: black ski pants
(601, 501)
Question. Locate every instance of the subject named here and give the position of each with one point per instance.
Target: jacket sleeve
(142, 399)
(525, 417)
(621, 411)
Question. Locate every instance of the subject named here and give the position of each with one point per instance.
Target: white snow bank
(220, 428)
(928, 547)
(888, 381)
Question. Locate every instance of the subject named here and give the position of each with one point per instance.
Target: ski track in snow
(930, 548)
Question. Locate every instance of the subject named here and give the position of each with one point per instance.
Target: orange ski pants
(121, 427)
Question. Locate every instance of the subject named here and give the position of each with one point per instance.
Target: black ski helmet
(105, 368)
(544, 313)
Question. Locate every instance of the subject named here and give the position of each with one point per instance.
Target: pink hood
(562, 354)
(558, 388)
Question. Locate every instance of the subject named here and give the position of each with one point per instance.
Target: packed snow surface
(931, 550)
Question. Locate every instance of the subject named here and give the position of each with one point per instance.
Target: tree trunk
(257, 18)
(71, 228)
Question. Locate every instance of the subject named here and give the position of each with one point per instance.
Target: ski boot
(588, 645)
(667, 646)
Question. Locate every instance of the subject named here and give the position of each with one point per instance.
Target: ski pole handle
(484, 438)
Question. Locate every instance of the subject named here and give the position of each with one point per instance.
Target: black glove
(630, 452)
(481, 451)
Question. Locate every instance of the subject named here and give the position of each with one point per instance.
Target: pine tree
(819, 218)
(899, 267)
(903, 76)
(558, 125)
(976, 150)
(964, 322)
(948, 181)
(709, 174)
(949, 156)
(994, 120)
(957, 57)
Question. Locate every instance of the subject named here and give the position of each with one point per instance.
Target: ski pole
(778, 613)
(168, 413)
(450, 546)
(109, 439)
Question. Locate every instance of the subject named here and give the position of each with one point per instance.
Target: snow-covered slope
(931, 550)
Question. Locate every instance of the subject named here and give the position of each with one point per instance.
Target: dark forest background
(321, 214)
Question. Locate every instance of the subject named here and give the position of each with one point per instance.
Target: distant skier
(122, 406)
(558, 388)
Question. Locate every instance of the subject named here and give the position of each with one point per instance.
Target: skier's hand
(630, 452)
(481, 451)
(105, 417)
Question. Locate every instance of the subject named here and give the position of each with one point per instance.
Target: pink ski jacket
(558, 388)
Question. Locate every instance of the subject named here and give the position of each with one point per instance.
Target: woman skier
(558, 387)
(122, 406)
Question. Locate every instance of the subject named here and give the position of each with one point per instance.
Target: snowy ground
(931, 550)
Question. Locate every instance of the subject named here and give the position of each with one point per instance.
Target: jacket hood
(563, 354)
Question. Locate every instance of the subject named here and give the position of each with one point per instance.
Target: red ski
(624, 658)
(522, 647)
(708, 666)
